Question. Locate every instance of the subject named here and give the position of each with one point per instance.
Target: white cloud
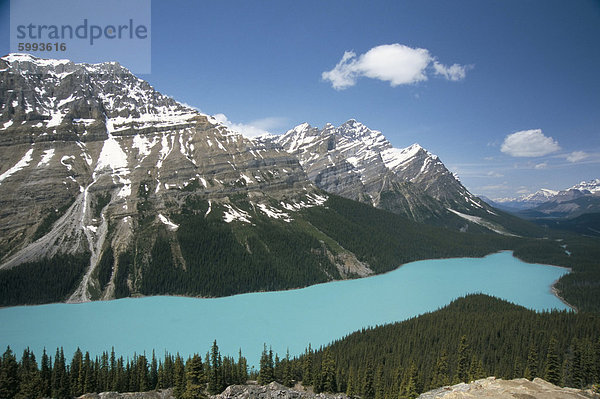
(577, 156)
(394, 63)
(254, 128)
(454, 72)
(529, 143)
(542, 165)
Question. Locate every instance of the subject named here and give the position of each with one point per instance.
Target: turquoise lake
(284, 319)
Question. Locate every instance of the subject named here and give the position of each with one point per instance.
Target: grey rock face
(356, 162)
(87, 145)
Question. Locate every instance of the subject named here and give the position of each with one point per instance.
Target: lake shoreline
(553, 289)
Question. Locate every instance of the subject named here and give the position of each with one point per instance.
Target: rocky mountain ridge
(359, 163)
(95, 163)
(90, 144)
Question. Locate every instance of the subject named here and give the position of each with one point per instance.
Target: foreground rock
(160, 394)
(272, 391)
(520, 388)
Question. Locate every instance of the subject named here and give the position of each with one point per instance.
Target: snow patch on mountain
(234, 213)
(164, 220)
(46, 157)
(23, 163)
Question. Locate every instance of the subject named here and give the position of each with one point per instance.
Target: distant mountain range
(574, 201)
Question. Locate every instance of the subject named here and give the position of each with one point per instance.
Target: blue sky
(519, 111)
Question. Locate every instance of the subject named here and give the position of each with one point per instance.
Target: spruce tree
(350, 384)
(476, 371)
(411, 390)
(153, 378)
(60, 378)
(328, 372)
(441, 372)
(141, 372)
(368, 383)
(9, 375)
(46, 375)
(29, 375)
(307, 367)
(179, 377)
(195, 379)
(215, 378)
(88, 385)
(552, 369)
(287, 370)
(77, 380)
(266, 372)
(531, 371)
(379, 383)
(462, 362)
(112, 376)
(242, 366)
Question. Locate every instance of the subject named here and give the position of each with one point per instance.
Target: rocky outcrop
(160, 394)
(273, 390)
(520, 388)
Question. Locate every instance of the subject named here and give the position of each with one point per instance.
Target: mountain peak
(593, 186)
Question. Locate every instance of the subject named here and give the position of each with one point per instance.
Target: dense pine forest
(471, 338)
(207, 257)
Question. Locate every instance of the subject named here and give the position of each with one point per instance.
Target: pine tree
(441, 373)
(179, 377)
(575, 366)
(88, 385)
(350, 385)
(266, 372)
(552, 369)
(368, 383)
(531, 371)
(328, 372)
(462, 362)
(141, 374)
(46, 374)
(379, 383)
(214, 378)
(242, 366)
(60, 378)
(29, 375)
(287, 370)
(588, 362)
(75, 371)
(411, 390)
(153, 378)
(307, 367)
(112, 376)
(9, 375)
(476, 371)
(195, 379)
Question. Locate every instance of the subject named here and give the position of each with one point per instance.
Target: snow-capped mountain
(573, 201)
(356, 162)
(131, 193)
(593, 186)
(86, 150)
